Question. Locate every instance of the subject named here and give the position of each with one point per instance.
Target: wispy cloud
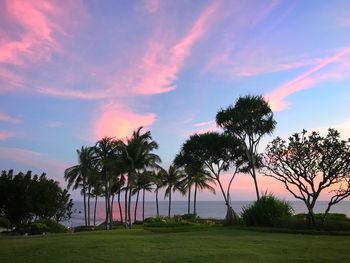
(310, 78)
(54, 124)
(161, 63)
(203, 124)
(35, 32)
(8, 118)
(74, 94)
(31, 159)
(342, 127)
(4, 135)
(253, 61)
(152, 6)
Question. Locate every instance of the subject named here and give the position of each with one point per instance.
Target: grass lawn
(214, 244)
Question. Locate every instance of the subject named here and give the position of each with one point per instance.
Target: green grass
(206, 244)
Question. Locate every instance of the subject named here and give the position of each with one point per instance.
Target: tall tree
(108, 152)
(172, 179)
(77, 175)
(201, 182)
(158, 181)
(249, 120)
(309, 164)
(216, 152)
(138, 156)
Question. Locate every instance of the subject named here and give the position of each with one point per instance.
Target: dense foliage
(24, 198)
(265, 211)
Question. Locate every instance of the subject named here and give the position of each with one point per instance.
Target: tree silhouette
(77, 175)
(308, 165)
(172, 180)
(249, 120)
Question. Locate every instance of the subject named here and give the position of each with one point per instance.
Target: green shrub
(319, 216)
(53, 226)
(265, 211)
(86, 228)
(39, 228)
(160, 221)
(4, 222)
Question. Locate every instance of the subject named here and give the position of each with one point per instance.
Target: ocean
(205, 209)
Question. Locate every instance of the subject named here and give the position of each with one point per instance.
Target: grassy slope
(211, 245)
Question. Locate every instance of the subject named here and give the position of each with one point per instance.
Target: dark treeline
(24, 198)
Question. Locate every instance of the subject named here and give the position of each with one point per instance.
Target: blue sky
(75, 72)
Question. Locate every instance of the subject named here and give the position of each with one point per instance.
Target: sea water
(205, 209)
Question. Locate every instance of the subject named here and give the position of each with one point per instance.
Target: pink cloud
(201, 124)
(161, 63)
(75, 94)
(255, 60)
(36, 41)
(41, 161)
(152, 6)
(32, 32)
(309, 78)
(4, 135)
(8, 118)
(10, 80)
(118, 122)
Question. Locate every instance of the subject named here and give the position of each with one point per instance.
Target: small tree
(249, 120)
(216, 152)
(64, 206)
(308, 165)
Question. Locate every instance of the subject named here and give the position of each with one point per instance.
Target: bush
(38, 228)
(86, 228)
(319, 216)
(177, 220)
(4, 222)
(52, 226)
(266, 211)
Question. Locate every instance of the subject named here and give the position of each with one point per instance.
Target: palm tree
(146, 185)
(97, 191)
(248, 120)
(158, 181)
(172, 179)
(137, 156)
(201, 182)
(108, 154)
(77, 175)
(116, 186)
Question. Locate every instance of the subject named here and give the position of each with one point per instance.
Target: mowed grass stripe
(139, 245)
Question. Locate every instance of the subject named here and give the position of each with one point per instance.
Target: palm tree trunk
(137, 200)
(111, 213)
(195, 200)
(95, 210)
(126, 206)
(89, 194)
(84, 196)
(169, 204)
(157, 202)
(129, 208)
(106, 205)
(189, 201)
(120, 208)
(143, 205)
(255, 183)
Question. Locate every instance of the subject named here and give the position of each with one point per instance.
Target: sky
(72, 72)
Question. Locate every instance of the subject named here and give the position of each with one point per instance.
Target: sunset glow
(73, 73)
